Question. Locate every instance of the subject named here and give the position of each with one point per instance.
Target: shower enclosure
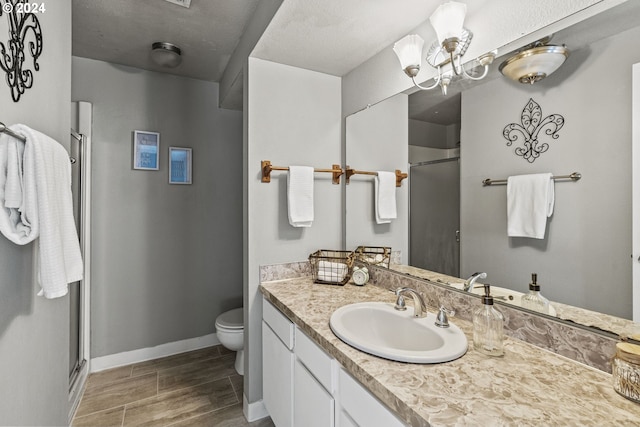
(434, 221)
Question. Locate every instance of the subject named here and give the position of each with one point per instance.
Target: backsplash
(288, 270)
(579, 344)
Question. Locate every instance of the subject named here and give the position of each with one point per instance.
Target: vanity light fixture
(166, 54)
(446, 53)
(535, 62)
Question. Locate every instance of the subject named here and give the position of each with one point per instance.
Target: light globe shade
(409, 51)
(448, 20)
(534, 64)
(166, 54)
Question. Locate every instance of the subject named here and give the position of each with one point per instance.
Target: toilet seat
(232, 319)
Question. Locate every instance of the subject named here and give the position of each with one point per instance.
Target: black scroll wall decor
(25, 37)
(529, 130)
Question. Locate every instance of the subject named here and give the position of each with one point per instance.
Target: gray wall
(292, 118)
(433, 135)
(167, 259)
(34, 332)
(377, 140)
(585, 259)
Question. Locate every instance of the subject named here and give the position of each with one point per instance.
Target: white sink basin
(379, 329)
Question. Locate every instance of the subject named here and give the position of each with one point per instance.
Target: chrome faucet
(419, 306)
(468, 284)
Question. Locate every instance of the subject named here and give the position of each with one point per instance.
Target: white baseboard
(253, 411)
(143, 354)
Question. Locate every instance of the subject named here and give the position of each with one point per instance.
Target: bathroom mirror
(585, 259)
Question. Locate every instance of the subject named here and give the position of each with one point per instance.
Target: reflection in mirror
(369, 134)
(583, 264)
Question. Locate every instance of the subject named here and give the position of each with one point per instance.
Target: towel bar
(265, 166)
(575, 176)
(5, 129)
(349, 172)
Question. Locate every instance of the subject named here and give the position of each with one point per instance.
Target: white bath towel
(530, 201)
(59, 260)
(385, 197)
(300, 196)
(19, 207)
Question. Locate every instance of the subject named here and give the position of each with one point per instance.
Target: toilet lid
(231, 319)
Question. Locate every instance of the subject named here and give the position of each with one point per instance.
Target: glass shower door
(434, 221)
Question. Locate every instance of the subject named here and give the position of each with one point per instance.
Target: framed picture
(180, 165)
(146, 150)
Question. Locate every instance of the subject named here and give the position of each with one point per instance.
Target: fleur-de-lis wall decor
(529, 130)
(25, 36)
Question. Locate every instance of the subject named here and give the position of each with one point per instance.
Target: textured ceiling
(122, 31)
(335, 36)
(329, 36)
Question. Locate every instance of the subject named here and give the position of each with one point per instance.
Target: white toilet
(230, 331)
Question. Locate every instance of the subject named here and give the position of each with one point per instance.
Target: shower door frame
(82, 133)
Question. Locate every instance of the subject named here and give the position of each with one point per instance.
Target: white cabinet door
(361, 406)
(313, 406)
(277, 378)
(344, 420)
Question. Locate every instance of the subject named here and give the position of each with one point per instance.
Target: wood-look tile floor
(196, 389)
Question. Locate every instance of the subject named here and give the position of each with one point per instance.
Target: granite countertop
(529, 386)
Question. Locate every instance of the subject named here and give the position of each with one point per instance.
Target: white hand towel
(300, 196)
(385, 197)
(530, 201)
(334, 272)
(19, 207)
(47, 162)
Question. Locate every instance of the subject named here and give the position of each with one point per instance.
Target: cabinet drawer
(278, 322)
(315, 359)
(362, 406)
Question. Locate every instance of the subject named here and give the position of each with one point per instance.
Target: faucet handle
(442, 320)
(400, 304)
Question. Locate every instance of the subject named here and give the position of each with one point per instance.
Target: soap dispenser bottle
(488, 324)
(534, 299)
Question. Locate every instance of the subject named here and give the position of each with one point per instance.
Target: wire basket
(374, 255)
(331, 267)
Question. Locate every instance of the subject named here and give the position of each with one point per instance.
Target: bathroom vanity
(305, 386)
(309, 371)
